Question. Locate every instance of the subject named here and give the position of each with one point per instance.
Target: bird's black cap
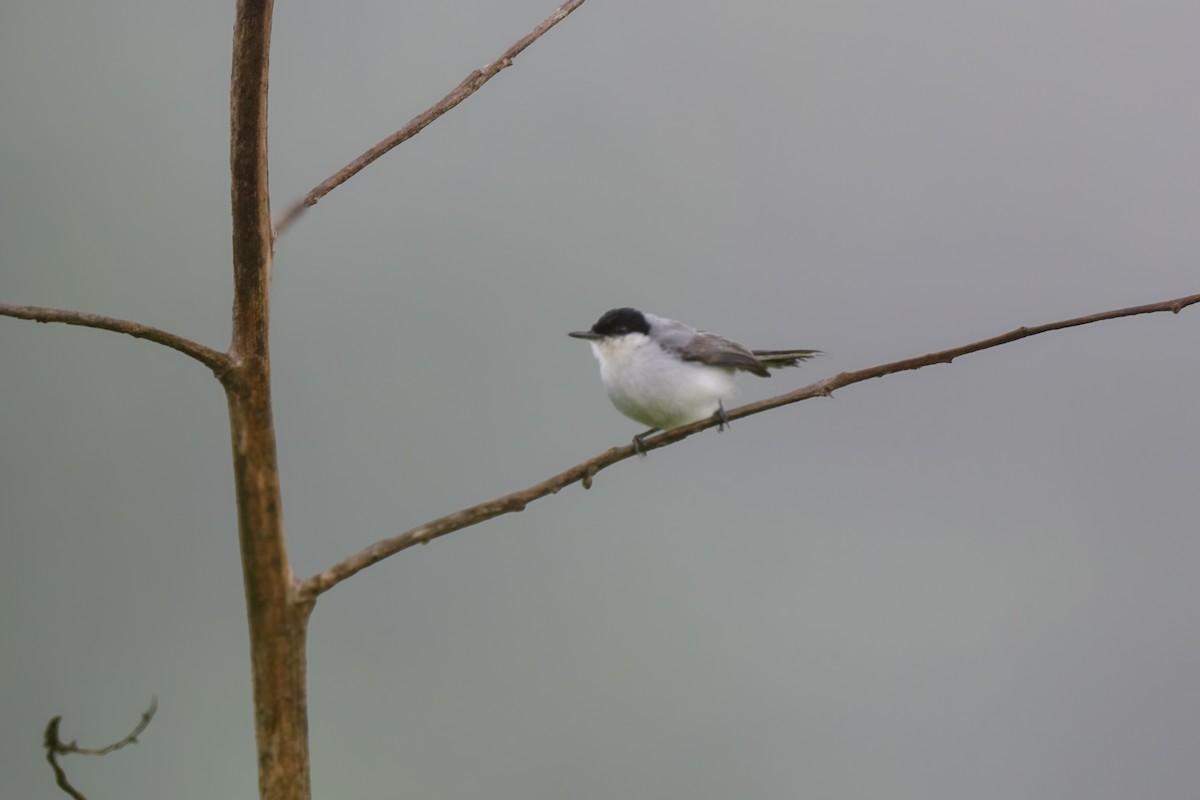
(616, 322)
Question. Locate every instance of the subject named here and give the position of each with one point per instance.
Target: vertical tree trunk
(278, 622)
(277, 619)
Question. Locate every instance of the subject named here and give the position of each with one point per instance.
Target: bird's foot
(638, 444)
(722, 420)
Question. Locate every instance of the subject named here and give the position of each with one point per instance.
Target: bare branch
(423, 534)
(827, 386)
(585, 471)
(56, 747)
(469, 86)
(217, 362)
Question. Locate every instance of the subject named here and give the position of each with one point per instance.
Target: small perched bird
(664, 374)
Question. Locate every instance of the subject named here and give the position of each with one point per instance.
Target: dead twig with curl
(55, 747)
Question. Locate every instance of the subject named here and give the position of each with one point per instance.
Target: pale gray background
(972, 581)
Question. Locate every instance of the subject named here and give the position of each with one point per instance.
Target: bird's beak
(584, 335)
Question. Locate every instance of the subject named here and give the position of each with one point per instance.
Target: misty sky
(975, 580)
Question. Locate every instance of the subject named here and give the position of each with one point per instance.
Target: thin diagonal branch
(469, 86)
(826, 387)
(216, 361)
(55, 747)
(585, 471)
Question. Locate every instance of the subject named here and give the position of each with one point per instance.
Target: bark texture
(278, 619)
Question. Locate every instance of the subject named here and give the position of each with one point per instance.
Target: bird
(665, 374)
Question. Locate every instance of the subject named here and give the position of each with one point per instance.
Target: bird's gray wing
(717, 351)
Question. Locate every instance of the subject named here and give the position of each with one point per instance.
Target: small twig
(469, 86)
(56, 747)
(219, 363)
(585, 471)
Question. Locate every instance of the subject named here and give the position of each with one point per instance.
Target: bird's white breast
(656, 388)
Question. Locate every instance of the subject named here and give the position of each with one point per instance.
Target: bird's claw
(638, 444)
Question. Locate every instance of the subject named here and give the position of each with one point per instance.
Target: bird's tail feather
(774, 359)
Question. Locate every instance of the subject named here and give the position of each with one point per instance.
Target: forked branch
(216, 361)
(468, 87)
(585, 471)
(55, 747)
